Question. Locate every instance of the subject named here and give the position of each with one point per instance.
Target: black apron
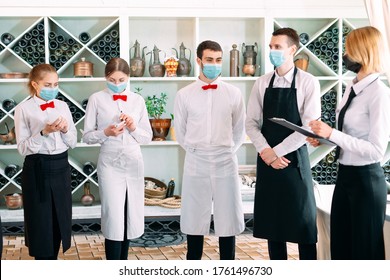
(47, 200)
(284, 208)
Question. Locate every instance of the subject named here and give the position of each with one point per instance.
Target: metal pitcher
(156, 68)
(184, 68)
(137, 63)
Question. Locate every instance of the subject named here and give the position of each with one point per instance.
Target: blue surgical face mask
(117, 88)
(48, 93)
(277, 57)
(212, 71)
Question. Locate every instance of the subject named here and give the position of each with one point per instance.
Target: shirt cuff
(336, 136)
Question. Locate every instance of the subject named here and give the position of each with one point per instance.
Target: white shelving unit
(188, 23)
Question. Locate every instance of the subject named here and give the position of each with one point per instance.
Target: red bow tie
(117, 96)
(209, 86)
(47, 105)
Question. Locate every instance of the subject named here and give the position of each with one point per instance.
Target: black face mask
(351, 65)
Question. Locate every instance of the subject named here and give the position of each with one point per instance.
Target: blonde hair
(37, 74)
(365, 46)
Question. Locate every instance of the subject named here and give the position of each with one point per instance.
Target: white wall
(218, 8)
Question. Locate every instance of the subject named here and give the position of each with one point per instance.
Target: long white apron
(121, 172)
(211, 185)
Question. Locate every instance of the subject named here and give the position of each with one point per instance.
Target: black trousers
(195, 247)
(118, 250)
(358, 213)
(278, 251)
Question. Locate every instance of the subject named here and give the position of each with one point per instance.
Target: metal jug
(137, 63)
(156, 68)
(184, 68)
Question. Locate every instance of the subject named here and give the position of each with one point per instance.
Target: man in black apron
(284, 208)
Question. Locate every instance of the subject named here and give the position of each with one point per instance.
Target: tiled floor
(91, 247)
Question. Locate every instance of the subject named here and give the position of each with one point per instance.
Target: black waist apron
(46, 192)
(284, 208)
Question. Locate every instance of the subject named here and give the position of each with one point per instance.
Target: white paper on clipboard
(301, 130)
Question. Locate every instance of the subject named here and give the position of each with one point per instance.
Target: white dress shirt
(103, 111)
(366, 127)
(309, 106)
(209, 119)
(29, 122)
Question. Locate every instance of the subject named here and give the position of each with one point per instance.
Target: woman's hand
(60, 124)
(320, 128)
(114, 129)
(129, 122)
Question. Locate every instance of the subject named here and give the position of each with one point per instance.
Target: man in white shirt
(284, 209)
(209, 125)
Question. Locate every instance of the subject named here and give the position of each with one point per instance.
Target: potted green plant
(156, 106)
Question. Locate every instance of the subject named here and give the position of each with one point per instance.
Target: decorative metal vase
(87, 199)
(156, 69)
(137, 63)
(184, 67)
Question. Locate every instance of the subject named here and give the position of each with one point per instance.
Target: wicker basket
(156, 193)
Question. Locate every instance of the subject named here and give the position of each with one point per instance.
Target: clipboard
(301, 130)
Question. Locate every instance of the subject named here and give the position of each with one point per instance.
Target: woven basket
(156, 193)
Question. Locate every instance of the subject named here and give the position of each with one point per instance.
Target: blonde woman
(44, 132)
(359, 199)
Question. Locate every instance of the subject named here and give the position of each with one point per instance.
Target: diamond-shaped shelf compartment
(31, 46)
(326, 47)
(76, 112)
(62, 46)
(325, 172)
(107, 45)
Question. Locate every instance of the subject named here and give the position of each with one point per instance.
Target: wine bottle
(53, 58)
(107, 38)
(101, 44)
(73, 173)
(60, 39)
(77, 116)
(171, 188)
(84, 37)
(114, 33)
(27, 36)
(52, 35)
(11, 170)
(3, 181)
(7, 38)
(95, 48)
(76, 47)
(53, 45)
(34, 32)
(9, 104)
(88, 168)
(71, 41)
(303, 38)
(64, 46)
(22, 43)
